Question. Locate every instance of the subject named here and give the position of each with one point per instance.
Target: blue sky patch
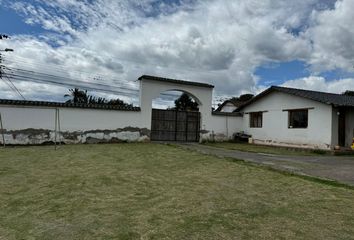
(11, 23)
(336, 74)
(278, 73)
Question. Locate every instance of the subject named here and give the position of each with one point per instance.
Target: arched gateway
(170, 125)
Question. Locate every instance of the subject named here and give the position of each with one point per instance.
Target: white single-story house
(300, 118)
(278, 116)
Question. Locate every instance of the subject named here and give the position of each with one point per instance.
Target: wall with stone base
(221, 128)
(36, 125)
(24, 125)
(44, 136)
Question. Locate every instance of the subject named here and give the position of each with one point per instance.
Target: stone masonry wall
(43, 136)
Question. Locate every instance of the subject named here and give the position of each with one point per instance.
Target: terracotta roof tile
(67, 105)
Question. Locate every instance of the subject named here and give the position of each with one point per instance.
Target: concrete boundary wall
(223, 127)
(36, 125)
(34, 122)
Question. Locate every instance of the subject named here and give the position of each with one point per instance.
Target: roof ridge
(334, 99)
(176, 81)
(300, 89)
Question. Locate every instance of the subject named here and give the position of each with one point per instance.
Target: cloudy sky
(239, 46)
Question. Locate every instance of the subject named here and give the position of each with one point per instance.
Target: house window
(256, 119)
(298, 118)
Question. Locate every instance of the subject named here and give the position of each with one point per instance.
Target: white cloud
(320, 84)
(217, 41)
(332, 35)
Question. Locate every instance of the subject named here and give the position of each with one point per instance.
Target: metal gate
(171, 125)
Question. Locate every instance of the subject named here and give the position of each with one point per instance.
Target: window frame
(290, 116)
(259, 121)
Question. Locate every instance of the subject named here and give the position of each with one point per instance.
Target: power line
(23, 75)
(37, 78)
(11, 86)
(57, 80)
(160, 100)
(122, 82)
(118, 82)
(9, 83)
(50, 72)
(61, 69)
(70, 79)
(16, 89)
(31, 79)
(58, 68)
(155, 64)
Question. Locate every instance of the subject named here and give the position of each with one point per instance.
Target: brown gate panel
(193, 122)
(170, 125)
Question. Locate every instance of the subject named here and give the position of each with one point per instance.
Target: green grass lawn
(151, 191)
(245, 147)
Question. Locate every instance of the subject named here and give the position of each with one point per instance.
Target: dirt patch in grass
(153, 191)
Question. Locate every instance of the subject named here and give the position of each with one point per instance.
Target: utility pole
(2, 66)
(3, 36)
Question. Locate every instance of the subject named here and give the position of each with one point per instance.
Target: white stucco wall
(71, 119)
(149, 90)
(84, 125)
(212, 127)
(222, 128)
(36, 125)
(16, 118)
(228, 107)
(82, 119)
(275, 129)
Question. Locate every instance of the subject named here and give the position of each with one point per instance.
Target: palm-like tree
(81, 96)
(77, 96)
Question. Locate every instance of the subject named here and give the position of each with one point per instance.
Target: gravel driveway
(338, 168)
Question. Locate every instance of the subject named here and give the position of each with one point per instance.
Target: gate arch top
(195, 98)
(151, 87)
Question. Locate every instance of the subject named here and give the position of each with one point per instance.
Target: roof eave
(175, 81)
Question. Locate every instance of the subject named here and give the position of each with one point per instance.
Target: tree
(119, 102)
(185, 103)
(81, 96)
(349, 93)
(77, 96)
(245, 97)
(242, 98)
(237, 101)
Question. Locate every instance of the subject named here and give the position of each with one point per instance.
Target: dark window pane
(256, 119)
(298, 119)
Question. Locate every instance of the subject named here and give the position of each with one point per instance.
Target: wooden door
(341, 128)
